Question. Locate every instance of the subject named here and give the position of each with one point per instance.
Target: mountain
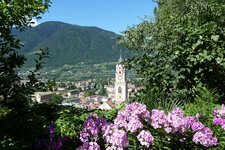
(70, 44)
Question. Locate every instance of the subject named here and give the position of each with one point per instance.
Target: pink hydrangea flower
(158, 118)
(219, 117)
(145, 138)
(197, 126)
(131, 118)
(205, 138)
(93, 146)
(115, 137)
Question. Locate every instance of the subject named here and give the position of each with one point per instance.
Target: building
(72, 93)
(120, 83)
(72, 102)
(105, 106)
(42, 96)
(110, 91)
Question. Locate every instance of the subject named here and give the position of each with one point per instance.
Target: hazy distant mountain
(70, 44)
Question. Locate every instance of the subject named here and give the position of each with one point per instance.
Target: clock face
(120, 72)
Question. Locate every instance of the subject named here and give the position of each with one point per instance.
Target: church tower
(120, 83)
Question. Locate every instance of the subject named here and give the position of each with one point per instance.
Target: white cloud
(34, 22)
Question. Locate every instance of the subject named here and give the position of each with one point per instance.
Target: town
(90, 95)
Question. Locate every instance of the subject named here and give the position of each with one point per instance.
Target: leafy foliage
(55, 99)
(204, 104)
(16, 115)
(16, 14)
(156, 100)
(20, 130)
(182, 47)
(70, 121)
(89, 92)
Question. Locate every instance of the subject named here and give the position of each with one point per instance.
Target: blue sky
(112, 15)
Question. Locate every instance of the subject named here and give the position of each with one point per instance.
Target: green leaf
(215, 37)
(194, 46)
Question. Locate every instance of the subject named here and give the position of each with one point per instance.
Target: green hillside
(70, 44)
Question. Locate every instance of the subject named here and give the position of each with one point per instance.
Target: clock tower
(120, 83)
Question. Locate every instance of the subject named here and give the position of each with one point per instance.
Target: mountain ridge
(70, 44)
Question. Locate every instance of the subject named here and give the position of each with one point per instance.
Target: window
(119, 90)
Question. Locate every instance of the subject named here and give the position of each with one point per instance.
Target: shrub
(70, 121)
(135, 128)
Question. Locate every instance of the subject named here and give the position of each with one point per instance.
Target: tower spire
(120, 82)
(120, 59)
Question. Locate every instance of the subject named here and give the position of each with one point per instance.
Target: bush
(135, 128)
(70, 121)
(19, 130)
(56, 99)
(204, 103)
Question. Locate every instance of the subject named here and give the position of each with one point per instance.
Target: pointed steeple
(120, 59)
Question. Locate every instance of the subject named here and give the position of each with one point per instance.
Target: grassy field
(78, 72)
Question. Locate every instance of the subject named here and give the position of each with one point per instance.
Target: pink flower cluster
(205, 137)
(173, 122)
(132, 117)
(92, 129)
(219, 117)
(145, 138)
(176, 122)
(53, 142)
(116, 138)
(89, 146)
(115, 134)
(128, 120)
